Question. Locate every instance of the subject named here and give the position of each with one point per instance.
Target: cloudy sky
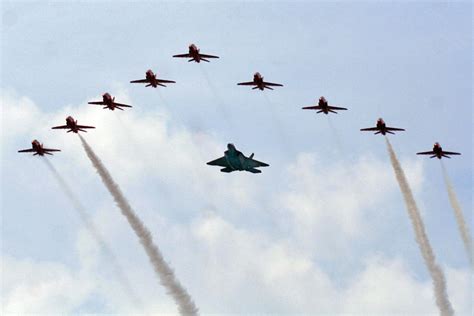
(322, 230)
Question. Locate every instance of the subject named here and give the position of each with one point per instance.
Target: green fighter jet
(234, 160)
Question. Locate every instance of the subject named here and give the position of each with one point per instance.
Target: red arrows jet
(324, 107)
(259, 83)
(438, 152)
(152, 80)
(109, 103)
(382, 128)
(195, 55)
(38, 149)
(72, 125)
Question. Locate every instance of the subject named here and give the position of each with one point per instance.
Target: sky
(323, 230)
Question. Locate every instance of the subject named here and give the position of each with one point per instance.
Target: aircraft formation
(233, 159)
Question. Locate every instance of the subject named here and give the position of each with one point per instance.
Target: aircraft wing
(272, 84)
(426, 153)
(369, 129)
(255, 163)
(84, 126)
(330, 107)
(165, 81)
(182, 56)
(60, 127)
(123, 105)
(208, 56)
(140, 81)
(27, 151)
(250, 83)
(219, 162)
(450, 153)
(394, 129)
(314, 107)
(96, 102)
(50, 149)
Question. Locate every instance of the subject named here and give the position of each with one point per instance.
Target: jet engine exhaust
(462, 225)
(164, 272)
(439, 281)
(87, 222)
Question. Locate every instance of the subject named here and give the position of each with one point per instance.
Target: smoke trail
(337, 136)
(221, 105)
(282, 137)
(463, 228)
(436, 273)
(165, 273)
(117, 269)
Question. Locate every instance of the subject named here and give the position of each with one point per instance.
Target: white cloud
(320, 212)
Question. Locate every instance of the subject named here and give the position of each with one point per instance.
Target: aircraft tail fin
(251, 156)
(433, 156)
(377, 132)
(204, 59)
(446, 156)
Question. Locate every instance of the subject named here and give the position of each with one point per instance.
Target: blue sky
(328, 203)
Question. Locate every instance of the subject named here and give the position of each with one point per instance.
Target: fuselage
(151, 77)
(194, 53)
(324, 105)
(258, 80)
(37, 147)
(72, 124)
(235, 158)
(438, 150)
(381, 126)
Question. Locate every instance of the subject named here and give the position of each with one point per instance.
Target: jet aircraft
(72, 125)
(234, 160)
(438, 152)
(323, 106)
(259, 83)
(382, 128)
(152, 80)
(38, 149)
(195, 55)
(109, 103)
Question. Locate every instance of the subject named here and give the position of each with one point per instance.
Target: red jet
(438, 152)
(324, 107)
(72, 125)
(38, 149)
(382, 128)
(152, 80)
(259, 83)
(109, 103)
(195, 55)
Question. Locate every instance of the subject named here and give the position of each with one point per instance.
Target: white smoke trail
(436, 273)
(279, 126)
(337, 137)
(221, 104)
(166, 275)
(81, 211)
(463, 228)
